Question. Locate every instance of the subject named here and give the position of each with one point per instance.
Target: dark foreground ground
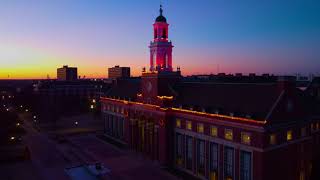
(53, 151)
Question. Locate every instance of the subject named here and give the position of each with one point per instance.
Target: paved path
(45, 155)
(123, 164)
(50, 158)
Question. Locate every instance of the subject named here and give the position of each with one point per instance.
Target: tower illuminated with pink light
(161, 47)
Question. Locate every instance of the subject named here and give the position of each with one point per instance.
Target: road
(45, 155)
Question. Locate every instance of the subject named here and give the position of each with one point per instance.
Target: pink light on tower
(160, 47)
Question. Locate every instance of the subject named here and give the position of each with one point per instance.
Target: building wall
(119, 72)
(154, 131)
(67, 73)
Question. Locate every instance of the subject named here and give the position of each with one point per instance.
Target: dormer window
(214, 131)
(228, 134)
(178, 123)
(189, 125)
(200, 128)
(245, 138)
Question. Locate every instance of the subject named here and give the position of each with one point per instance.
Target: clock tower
(160, 46)
(155, 83)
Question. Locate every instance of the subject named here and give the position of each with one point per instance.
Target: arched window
(164, 33)
(155, 33)
(166, 60)
(154, 60)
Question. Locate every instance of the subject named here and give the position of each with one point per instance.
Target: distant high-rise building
(67, 73)
(118, 72)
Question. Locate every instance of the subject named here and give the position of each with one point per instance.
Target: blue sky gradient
(265, 36)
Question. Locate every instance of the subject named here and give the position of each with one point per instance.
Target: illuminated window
(289, 135)
(311, 127)
(213, 131)
(228, 134)
(178, 123)
(200, 128)
(245, 138)
(301, 176)
(303, 132)
(189, 125)
(273, 139)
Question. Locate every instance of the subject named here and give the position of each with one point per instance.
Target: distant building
(118, 72)
(67, 73)
(55, 99)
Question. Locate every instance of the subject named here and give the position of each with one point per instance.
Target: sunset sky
(210, 36)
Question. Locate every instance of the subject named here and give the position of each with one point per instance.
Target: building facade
(216, 131)
(119, 72)
(67, 73)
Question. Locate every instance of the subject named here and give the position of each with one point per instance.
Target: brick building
(213, 130)
(67, 73)
(119, 72)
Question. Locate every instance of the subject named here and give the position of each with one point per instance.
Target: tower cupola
(161, 47)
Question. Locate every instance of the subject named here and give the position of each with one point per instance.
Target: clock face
(149, 86)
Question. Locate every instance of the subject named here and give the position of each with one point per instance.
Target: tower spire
(161, 10)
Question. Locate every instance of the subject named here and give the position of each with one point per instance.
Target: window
(189, 125)
(214, 131)
(245, 138)
(200, 128)
(201, 157)
(178, 123)
(301, 176)
(179, 150)
(303, 132)
(273, 139)
(155, 33)
(290, 106)
(228, 134)
(189, 151)
(213, 161)
(110, 124)
(121, 120)
(289, 135)
(106, 123)
(166, 61)
(245, 165)
(228, 162)
(312, 127)
(164, 33)
(317, 126)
